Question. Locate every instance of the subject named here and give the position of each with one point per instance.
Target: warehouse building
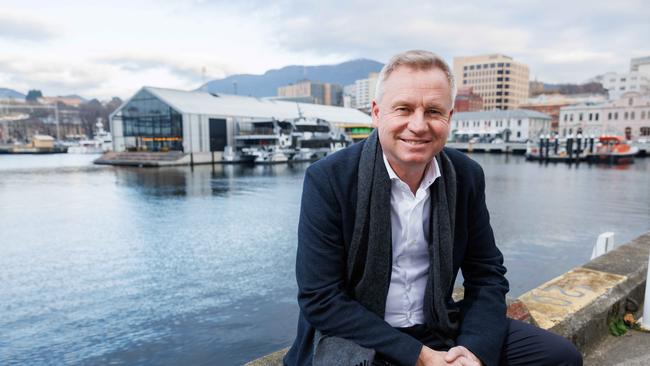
(202, 123)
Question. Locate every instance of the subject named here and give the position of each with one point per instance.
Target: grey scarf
(369, 261)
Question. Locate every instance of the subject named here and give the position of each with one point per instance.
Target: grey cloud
(189, 72)
(50, 77)
(560, 40)
(15, 28)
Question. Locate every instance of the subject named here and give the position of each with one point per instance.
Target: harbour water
(106, 265)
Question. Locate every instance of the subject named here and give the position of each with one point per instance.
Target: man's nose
(417, 123)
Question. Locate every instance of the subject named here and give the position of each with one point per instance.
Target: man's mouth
(414, 142)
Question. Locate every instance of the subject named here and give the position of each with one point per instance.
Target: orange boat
(612, 150)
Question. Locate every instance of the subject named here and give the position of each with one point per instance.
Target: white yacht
(101, 143)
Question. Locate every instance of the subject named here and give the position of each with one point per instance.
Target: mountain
(74, 96)
(10, 93)
(266, 85)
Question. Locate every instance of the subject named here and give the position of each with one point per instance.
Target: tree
(33, 95)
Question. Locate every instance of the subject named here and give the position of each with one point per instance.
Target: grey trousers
(330, 351)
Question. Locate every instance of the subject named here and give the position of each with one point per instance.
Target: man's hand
(463, 356)
(429, 357)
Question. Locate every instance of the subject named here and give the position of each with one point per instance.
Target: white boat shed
(159, 119)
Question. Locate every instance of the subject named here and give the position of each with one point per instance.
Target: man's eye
(433, 112)
(401, 109)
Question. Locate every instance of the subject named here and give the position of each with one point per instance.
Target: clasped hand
(456, 356)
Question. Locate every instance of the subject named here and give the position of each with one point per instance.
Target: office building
(501, 81)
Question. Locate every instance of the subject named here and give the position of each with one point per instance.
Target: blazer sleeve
(483, 310)
(320, 273)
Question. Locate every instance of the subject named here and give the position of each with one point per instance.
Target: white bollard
(645, 320)
(604, 244)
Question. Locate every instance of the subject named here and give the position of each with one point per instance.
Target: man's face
(412, 117)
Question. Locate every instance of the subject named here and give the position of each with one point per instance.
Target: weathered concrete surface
(630, 349)
(274, 359)
(588, 326)
(559, 299)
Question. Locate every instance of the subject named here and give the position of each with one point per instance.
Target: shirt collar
(430, 174)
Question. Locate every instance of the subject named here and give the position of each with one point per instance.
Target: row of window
(491, 72)
(568, 117)
(643, 131)
(485, 123)
(485, 66)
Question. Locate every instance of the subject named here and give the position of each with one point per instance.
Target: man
(386, 224)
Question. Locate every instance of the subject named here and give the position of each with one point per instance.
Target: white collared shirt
(409, 216)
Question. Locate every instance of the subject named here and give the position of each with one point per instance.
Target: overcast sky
(112, 48)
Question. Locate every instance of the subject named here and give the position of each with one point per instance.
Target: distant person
(386, 224)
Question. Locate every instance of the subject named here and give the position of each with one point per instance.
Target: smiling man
(385, 226)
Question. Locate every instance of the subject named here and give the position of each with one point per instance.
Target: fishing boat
(612, 149)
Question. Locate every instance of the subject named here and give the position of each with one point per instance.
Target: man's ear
(374, 113)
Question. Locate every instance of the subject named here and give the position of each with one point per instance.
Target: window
(616, 115)
(596, 115)
(471, 67)
(632, 115)
(645, 131)
(609, 115)
(642, 114)
(464, 67)
(591, 116)
(580, 117)
(500, 64)
(625, 115)
(519, 123)
(518, 133)
(566, 117)
(492, 65)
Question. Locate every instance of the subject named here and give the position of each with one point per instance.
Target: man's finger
(453, 354)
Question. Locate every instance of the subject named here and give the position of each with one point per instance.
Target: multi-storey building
(467, 100)
(641, 64)
(498, 79)
(552, 103)
(619, 83)
(517, 125)
(307, 91)
(627, 116)
(365, 92)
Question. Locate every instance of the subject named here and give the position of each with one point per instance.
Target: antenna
(299, 110)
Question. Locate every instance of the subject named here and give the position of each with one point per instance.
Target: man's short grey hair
(419, 60)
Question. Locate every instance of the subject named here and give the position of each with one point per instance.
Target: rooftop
(228, 105)
(500, 114)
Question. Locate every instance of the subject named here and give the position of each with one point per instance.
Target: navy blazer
(324, 234)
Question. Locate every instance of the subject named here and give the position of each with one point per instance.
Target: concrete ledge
(578, 304)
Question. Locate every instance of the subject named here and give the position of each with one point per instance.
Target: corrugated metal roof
(499, 114)
(199, 102)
